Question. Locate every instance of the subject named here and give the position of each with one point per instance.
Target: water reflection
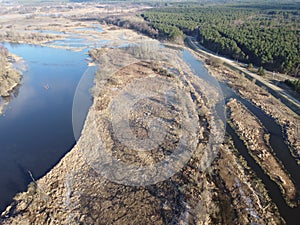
(36, 130)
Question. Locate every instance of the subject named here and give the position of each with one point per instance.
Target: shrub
(213, 61)
(261, 71)
(294, 84)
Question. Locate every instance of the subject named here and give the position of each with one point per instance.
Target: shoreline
(38, 190)
(9, 81)
(72, 188)
(59, 190)
(256, 139)
(260, 97)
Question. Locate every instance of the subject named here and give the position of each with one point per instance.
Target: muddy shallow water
(276, 141)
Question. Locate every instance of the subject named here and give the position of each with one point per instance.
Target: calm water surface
(36, 129)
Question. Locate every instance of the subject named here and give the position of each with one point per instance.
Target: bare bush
(213, 61)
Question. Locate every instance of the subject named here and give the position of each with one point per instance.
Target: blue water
(73, 42)
(76, 42)
(95, 28)
(36, 129)
(49, 32)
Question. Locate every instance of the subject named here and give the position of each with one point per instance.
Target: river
(36, 129)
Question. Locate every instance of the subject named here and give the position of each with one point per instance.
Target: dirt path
(261, 97)
(276, 91)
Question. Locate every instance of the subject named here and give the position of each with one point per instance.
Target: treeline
(172, 33)
(263, 36)
(134, 23)
(294, 84)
